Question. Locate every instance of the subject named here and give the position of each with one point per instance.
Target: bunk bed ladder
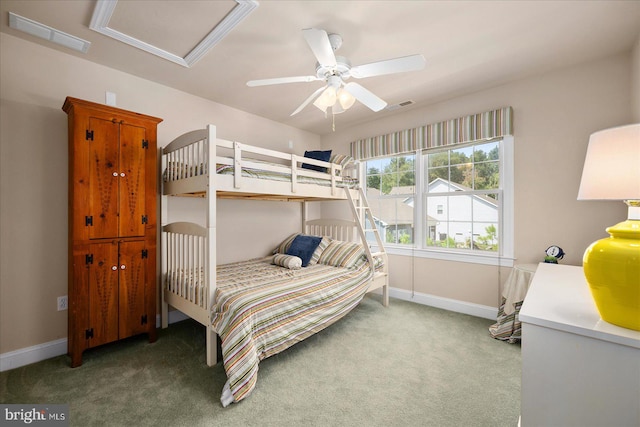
(366, 224)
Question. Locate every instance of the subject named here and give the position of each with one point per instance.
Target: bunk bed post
(210, 279)
(303, 215)
(237, 162)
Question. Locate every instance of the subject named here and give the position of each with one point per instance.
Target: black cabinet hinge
(145, 143)
(145, 253)
(145, 219)
(89, 135)
(88, 220)
(143, 319)
(88, 333)
(88, 259)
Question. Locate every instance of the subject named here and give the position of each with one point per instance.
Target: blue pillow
(303, 247)
(325, 156)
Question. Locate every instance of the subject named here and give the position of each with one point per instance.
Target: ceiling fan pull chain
(333, 125)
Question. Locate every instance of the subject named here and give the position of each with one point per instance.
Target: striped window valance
(477, 127)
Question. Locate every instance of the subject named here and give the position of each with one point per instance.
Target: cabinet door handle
(122, 174)
(122, 267)
(115, 174)
(114, 268)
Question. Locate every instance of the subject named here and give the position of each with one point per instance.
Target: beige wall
(33, 177)
(554, 114)
(635, 80)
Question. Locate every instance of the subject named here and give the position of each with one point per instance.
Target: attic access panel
(128, 28)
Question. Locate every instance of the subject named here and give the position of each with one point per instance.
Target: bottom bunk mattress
(262, 309)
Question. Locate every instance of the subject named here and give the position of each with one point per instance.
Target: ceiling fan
(334, 70)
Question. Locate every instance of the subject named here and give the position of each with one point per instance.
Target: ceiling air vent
(399, 105)
(45, 32)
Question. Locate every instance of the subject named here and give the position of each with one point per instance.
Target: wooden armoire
(112, 225)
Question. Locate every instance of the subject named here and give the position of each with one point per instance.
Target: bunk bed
(221, 297)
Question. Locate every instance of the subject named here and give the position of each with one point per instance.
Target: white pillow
(288, 261)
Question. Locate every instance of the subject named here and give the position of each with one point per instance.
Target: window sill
(468, 257)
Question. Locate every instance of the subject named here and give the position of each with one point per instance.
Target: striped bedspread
(262, 309)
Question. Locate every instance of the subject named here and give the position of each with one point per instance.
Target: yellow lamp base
(612, 269)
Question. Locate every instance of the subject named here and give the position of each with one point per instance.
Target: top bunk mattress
(180, 178)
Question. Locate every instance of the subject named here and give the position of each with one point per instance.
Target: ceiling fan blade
(313, 96)
(390, 66)
(365, 96)
(281, 80)
(318, 41)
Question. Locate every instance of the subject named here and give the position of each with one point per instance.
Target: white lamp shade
(612, 165)
(327, 98)
(346, 99)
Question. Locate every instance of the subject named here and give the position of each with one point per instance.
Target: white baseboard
(40, 352)
(458, 306)
(37, 353)
(33, 354)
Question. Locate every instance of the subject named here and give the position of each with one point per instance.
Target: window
(390, 186)
(450, 203)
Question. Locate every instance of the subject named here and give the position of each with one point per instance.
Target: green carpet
(405, 365)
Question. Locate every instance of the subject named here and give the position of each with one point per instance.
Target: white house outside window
(452, 203)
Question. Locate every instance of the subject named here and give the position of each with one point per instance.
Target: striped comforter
(262, 309)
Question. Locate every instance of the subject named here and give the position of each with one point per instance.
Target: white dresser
(577, 370)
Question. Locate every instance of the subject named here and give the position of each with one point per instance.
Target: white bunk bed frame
(190, 249)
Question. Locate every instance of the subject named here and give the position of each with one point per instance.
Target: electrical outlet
(63, 303)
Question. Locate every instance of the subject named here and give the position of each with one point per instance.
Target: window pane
(389, 182)
(395, 220)
(485, 236)
(487, 175)
(460, 208)
(461, 234)
(462, 174)
(488, 151)
(438, 159)
(486, 208)
(385, 165)
(374, 166)
(373, 170)
(435, 185)
(461, 155)
(406, 179)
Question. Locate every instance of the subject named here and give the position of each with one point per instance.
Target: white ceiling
(468, 45)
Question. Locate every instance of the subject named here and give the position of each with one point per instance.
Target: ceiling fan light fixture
(345, 99)
(337, 109)
(322, 108)
(326, 99)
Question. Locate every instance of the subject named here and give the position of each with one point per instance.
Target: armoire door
(132, 259)
(116, 179)
(133, 148)
(104, 175)
(103, 293)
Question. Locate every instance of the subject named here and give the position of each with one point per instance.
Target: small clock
(554, 253)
